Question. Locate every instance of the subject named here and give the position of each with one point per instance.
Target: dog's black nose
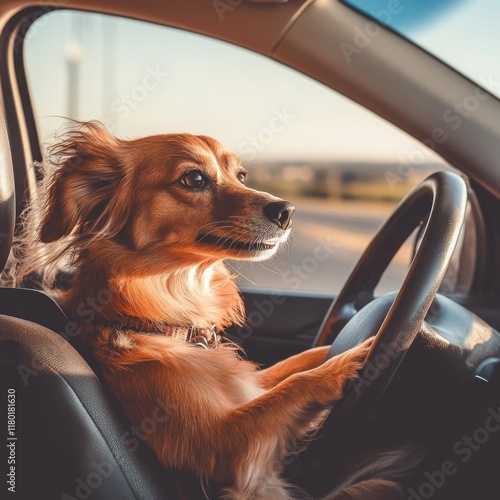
(280, 212)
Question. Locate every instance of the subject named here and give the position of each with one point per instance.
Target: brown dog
(147, 224)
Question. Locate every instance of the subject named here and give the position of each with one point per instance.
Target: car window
(342, 166)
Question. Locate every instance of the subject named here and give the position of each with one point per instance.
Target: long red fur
(118, 213)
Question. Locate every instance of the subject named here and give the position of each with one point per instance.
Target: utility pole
(73, 55)
(73, 58)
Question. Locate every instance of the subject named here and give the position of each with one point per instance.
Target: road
(325, 244)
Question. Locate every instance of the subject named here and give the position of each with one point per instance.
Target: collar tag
(203, 337)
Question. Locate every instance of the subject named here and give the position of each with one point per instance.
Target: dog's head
(180, 196)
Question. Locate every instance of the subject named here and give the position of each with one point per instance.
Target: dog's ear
(87, 192)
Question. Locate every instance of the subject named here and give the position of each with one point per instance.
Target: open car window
(342, 166)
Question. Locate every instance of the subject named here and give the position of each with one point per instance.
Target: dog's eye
(242, 177)
(194, 180)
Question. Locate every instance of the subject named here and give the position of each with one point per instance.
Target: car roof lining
(389, 76)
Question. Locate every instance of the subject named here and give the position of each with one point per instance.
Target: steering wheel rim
(442, 199)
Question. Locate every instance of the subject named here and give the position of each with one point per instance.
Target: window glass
(462, 33)
(343, 167)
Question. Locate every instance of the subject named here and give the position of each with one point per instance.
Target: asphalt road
(326, 243)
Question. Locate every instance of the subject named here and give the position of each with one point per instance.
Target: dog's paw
(360, 351)
(347, 365)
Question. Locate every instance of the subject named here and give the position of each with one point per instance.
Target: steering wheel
(355, 314)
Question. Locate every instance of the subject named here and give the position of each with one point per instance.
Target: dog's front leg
(263, 428)
(303, 361)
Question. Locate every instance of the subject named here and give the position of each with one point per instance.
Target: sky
(142, 79)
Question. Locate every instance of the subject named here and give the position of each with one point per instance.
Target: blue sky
(142, 79)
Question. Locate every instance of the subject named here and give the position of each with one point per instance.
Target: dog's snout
(280, 212)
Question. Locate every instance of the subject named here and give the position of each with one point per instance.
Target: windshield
(463, 33)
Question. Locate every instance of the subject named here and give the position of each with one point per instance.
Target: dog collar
(202, 337)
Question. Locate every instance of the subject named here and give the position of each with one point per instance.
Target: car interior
(433, 380)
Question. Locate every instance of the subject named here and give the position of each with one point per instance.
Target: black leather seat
(72, 442)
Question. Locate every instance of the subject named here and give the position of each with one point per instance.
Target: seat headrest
(7, 194)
